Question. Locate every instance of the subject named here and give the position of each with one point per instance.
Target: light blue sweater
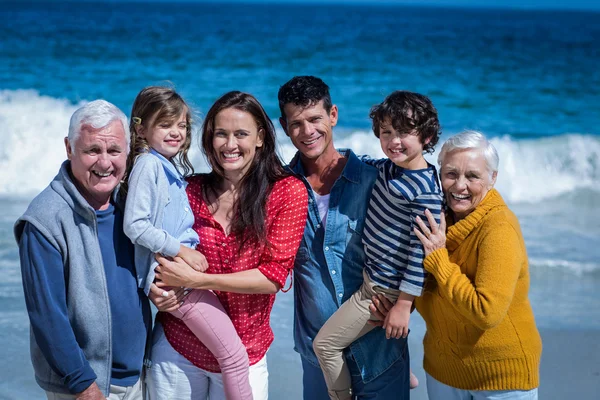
(158, 217)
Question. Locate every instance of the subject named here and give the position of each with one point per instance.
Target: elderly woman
(481, 340)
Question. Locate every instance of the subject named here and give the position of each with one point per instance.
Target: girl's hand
(176, 272)
(193, 258)
(167, 301)
(434, 238)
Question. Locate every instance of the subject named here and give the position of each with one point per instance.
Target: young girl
(158, 219)
(407, 125)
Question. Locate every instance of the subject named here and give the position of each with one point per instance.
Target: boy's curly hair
(410, 113)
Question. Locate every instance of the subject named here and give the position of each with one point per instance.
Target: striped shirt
(394, 253)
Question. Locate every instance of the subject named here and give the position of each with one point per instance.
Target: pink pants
(203, 313)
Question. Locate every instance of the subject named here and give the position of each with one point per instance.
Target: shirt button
(318, 225)
(187, 209)
(340, 295)
(223, 244)
(310, 200)
(226, 261)
(333, 272)
(326, 248)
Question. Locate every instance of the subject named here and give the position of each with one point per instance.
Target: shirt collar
(351, 171)
(168, 166)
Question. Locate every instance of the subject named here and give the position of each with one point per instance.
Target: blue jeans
(437, 390)
(393, 384)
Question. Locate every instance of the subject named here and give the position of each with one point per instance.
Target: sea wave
(34, 126)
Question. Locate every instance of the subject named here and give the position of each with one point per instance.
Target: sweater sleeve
(414, 274)
(485, 301)
(285, 234)
(375, 162)
(45, 296)
(137, 224)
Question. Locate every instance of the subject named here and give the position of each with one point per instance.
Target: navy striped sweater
(394, 254)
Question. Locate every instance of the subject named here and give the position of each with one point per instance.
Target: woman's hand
(167, 301)
(176, 272)
(434, 238)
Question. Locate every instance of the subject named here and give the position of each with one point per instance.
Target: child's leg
(345, 326)
(203, 313)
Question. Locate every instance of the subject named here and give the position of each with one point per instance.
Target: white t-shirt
(323, 206)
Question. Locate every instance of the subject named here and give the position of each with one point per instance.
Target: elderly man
(89, 320)
(330, 261)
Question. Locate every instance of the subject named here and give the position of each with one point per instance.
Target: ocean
(527, 79)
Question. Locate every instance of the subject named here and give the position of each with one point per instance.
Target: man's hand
(91, 393)
(193, 258)
(167, 301)
(380, 307)
(396, 322)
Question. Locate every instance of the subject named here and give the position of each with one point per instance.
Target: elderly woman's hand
(434, 238)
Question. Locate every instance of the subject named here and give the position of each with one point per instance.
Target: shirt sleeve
(137, 223)
(414, 274)
(285, 233)
(45, 296)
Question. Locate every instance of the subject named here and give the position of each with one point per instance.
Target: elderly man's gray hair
(472, 140)
(98, 114)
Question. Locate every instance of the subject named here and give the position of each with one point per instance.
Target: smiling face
(98, 158)
(310, 128)
(166, 136)
(404, 149)
(235, 140)
(465, 180)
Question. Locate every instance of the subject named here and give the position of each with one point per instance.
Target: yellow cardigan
(481, 333)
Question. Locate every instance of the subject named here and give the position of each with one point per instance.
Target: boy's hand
(396, 322)
(193, 258)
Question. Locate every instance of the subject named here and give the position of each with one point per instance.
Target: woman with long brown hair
(250, 216)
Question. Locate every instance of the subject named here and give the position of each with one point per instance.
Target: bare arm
(179, 273)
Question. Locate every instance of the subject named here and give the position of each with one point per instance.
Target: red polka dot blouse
(286, 217)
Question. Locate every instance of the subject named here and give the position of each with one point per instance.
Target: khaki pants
(346, 325)
(134, 392)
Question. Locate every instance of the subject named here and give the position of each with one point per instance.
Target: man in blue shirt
(330, 260)
(89, 320)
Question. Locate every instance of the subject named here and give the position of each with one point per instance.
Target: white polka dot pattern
(286, 218)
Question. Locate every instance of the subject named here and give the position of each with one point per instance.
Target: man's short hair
(304, 91)
(98, 114)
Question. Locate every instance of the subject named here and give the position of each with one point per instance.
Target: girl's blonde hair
(155, 104)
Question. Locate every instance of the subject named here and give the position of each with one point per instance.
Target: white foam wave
(530, 170)
(33, 127)
(575, 267)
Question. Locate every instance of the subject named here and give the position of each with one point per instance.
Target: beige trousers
(346, 325)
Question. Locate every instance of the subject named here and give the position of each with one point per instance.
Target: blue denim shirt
(329, 264)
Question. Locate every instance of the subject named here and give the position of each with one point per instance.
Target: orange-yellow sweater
(481, 333)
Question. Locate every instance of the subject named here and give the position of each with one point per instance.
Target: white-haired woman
(481, 340)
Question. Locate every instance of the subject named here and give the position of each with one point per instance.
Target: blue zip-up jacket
(329, 265)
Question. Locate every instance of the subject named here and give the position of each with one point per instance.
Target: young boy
(407, 126)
